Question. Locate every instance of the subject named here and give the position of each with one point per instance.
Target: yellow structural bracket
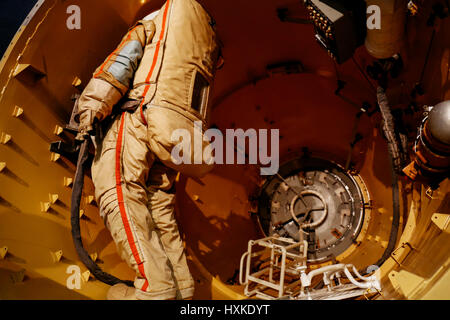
(54, 156)
(406, 282)
(5, 138)
(86, 276)
(401, 252)
(76, 82)
(3, 252)
(89, 199)
(67, 181)
(17, 112)
(94, 256)
(53, 197)
(45, 206)
(57, 255)
(58, 130)
(442, 221)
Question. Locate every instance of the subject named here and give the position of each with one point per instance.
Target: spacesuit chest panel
(177, 68)
(144, 84)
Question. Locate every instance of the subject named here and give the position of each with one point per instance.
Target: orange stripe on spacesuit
(155, 58)
(117, 49)
(123, 213)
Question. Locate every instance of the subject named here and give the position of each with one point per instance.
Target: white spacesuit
(161, 73)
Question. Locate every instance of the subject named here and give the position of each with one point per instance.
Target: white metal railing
(280, 258)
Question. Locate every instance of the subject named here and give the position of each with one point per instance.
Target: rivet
(195, 197)
(81, 213)
(2, 166)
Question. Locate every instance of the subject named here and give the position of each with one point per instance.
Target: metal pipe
(334, 267)
(362, 285)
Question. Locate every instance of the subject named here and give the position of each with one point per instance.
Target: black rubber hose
(394, 184)
(75, 221)
(395, 218)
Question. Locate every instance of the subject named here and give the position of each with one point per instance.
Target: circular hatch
(317, 197)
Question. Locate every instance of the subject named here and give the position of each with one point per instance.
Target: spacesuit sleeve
(112, 79)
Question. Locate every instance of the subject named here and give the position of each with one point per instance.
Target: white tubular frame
(278, 254)
(281, 249)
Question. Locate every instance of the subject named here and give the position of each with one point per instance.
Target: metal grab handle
(241, 269)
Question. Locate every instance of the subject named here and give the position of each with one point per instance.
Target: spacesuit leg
(119, 172)
(162, 208)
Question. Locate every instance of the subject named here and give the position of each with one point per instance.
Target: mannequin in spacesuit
(158, 80)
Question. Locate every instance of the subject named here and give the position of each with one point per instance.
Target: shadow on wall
(218, 239)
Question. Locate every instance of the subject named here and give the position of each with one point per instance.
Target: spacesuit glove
(86, 127)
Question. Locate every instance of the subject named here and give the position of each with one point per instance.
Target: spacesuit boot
(121, 291)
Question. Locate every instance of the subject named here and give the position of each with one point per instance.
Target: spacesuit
(158, 80)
